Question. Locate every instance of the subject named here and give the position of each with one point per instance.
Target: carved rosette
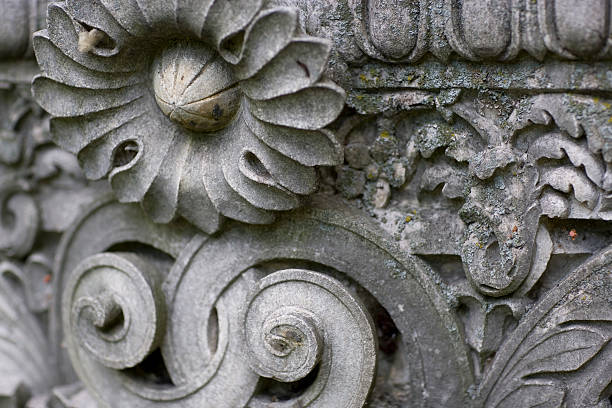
(199, 108)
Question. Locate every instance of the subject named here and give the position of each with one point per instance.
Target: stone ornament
(201, 109)
(25, 368)
(17, 239)
(406, 30)
(456, 252)
(18, 21)
(126, 328)
(567, 335)
(287, 336)
(283, 320)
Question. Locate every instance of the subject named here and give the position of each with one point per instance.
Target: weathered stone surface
(305, 203)
(252, 109)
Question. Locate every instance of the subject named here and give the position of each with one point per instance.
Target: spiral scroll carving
(297, 319)
(19, 220)
(256, 317)
(114, 305)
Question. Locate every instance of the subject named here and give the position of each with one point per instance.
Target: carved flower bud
(195, 87)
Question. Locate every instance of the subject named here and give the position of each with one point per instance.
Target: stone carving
(25, 369)
(456, 252)
(502, 174)
(501, 231)
(17, 236)
(288, 336)
(260, 328)
(35, 177)
(567, 333)
(199, 109)
(404, 30)
(124, 303)
(19, 20)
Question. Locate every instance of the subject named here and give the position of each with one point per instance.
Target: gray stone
(305, 203)
(382, 194)
(257, 110)
(357, 155)
(350, 182)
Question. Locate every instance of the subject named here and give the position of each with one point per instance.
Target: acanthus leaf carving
(25, 370)
(514, 176)
(561, 334)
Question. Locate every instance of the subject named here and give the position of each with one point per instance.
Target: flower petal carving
(200, 109)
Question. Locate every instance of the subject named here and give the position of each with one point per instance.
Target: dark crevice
(155, 257)
(256, 169)
(125, 153)
(233, 44)
(152, 370)
(270, 390)
(213, 331)
(388, 334)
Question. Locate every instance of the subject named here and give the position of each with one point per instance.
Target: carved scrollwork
(19, 220)
(476, 133)
(298, 319)
(281, 319)
(198, 110)
(114, 306)
(25, 370)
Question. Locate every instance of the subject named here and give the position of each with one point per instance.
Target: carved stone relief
(195, 112)
(305, 203)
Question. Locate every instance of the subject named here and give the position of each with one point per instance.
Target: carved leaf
(556, 146)
(24, 365)
(541, 255)
(570, 179)
(485, 163)
(554, 204)
(575, 114)
(534, 395)
(452, 177)
(566, 332)
(565, 350)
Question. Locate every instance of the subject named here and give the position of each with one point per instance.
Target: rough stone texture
(305, 203)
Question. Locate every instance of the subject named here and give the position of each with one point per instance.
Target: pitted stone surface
(305, 203)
